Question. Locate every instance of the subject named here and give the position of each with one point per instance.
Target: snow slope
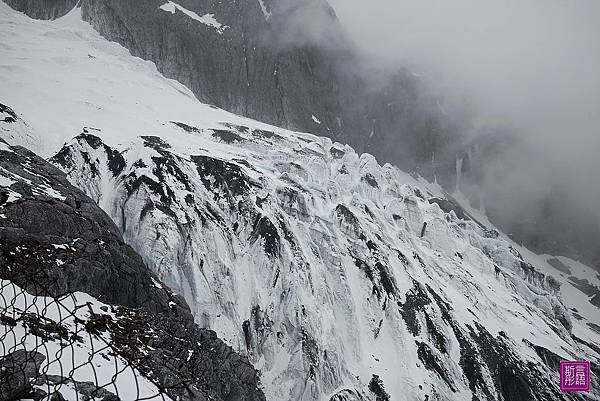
(207, 19)
(88, 357)
(57, 243)
(310, 258)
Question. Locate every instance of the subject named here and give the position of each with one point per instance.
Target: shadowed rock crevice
(54, 241)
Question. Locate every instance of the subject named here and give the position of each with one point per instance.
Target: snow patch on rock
(206, 19)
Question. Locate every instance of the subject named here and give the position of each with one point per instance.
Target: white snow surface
(206, 19)
(89, 359)
(264, 9)
(312, 298)
(7, 179)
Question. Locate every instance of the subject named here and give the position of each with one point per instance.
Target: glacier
(299, 252)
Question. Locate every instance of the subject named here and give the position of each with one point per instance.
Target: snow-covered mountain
(341, 279)
(290, 63)
(285, 62)
(81, 316)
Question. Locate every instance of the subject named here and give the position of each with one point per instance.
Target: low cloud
(530, 65)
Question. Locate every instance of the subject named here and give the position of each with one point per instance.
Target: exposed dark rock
(168, 166)
(553, 284)
(227, 177)
(592, 346)
(387, 280)
(336, 153)
(369, 179)
(548, 357)
(94, 141)
(595, 327)
(155, 143)
(63, 158)
(227, 136)
(44, 328)
(433, 363)
(265, 134)
(584, 286)
(239, 128)
(378, 273)
(12, 116)
(596, 300)
(514, 379)
(438, 339)
(288, 235)
(419, 194)
(377, 388)
(185, 127)
(264, 228)
(39, 230)
(347, 216)
(416, 300)
(165, 193)
(43, 9)
(347, 395)
(116, 161)
(247, 334)
(423, 230)
(310, 352)
(19, 369)
(448, 206)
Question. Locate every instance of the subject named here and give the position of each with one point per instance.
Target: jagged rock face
(43, 9)
(96, 260)
(284, 62)
(239, 68)
(54, 240)
(22, 368)
(316, 263)
(271, 61)
(311, 259)
(14, 130)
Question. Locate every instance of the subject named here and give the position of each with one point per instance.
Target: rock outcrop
(284, 62)
(43, 9)
(54, 241)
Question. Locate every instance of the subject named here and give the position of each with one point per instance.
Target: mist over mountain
(528, 74)
(413, 84)
(258, 199)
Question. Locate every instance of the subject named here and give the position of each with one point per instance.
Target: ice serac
(54, 242)
(317, 263)
(309, 257)
(289, 63)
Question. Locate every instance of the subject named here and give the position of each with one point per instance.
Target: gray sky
(532, 64)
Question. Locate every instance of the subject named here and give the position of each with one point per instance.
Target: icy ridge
(296, 250)
(325, 267)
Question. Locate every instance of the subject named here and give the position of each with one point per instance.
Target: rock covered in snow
(326, 268)
(309, 257)
(68, 277)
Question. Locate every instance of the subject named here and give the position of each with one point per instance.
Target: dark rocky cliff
(54, 240)
(281, 62)
(43, 9)
(285, 61)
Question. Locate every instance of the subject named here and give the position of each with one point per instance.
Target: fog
(531, 65)
(536, 63)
